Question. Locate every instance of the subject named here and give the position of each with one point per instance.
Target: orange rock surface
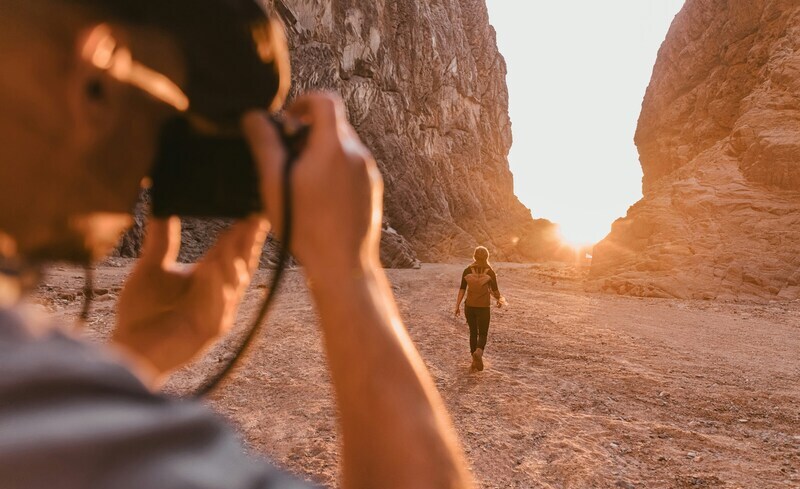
(719, 144)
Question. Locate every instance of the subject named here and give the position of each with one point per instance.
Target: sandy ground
(581, 390)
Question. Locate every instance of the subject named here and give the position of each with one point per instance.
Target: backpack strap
(478, 271)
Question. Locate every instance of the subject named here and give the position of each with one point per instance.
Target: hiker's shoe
(477, 359)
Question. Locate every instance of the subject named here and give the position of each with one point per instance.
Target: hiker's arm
(461, 291)
(493, 285)
(459, 299)
(395, 430)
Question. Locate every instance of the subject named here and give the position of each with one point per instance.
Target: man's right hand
(458, 311)
(337, 188)
(337, 197)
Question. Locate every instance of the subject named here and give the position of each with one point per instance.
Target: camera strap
(88, 294)
(293, 145)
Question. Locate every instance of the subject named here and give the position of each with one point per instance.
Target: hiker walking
(478, 281)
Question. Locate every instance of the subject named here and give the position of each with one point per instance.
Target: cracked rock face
(424, 86)
(719, 144)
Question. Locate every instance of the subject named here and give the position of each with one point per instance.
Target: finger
(354, 146)
(162, 241)
(224, 273)
(270, 158)
(237, 251)
(318, 108)
(249, 237)
(325, 113)
(207, 302)
(264, 139)
(322, 112)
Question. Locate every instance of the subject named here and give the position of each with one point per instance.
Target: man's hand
(167, 312)
(458, 311)
(377, 374)
(337, 189)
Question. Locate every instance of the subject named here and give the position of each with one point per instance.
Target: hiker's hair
(481, 256)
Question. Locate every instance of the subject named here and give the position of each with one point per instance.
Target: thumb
(162, 241)
(270, 158)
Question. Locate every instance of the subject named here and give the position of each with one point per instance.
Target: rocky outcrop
(197, 235)
(395, 251)
(424, 86)
(719, 144)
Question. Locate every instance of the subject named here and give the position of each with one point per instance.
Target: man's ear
(96, 100)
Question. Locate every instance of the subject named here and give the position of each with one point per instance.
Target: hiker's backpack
(478, 286)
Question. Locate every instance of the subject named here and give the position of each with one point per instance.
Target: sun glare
(582, 234)
(576, 83)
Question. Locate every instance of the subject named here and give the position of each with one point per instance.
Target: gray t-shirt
(72, 417)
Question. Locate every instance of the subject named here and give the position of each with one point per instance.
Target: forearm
(460, 297)
(395, 430)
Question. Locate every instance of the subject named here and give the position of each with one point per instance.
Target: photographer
(86, 87)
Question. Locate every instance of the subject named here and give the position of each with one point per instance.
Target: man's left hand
(168, 312)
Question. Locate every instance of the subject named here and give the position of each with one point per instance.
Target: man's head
(77, 137)
(74, 142)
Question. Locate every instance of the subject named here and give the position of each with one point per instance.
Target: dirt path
(580, 391)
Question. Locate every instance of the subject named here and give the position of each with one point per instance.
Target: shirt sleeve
(72, 417)
(464, 279)
(493, 282)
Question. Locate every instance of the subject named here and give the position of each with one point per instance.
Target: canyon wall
(424, 86)
(719, 145)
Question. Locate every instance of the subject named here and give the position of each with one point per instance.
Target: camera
(199, 174)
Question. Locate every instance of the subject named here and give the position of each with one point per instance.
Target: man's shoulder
(67, 404)
(33, 350)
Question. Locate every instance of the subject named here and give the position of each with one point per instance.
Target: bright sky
(577, 73)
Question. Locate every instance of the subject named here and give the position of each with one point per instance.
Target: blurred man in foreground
(86, 86)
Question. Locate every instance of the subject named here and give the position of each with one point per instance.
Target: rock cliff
(424, 85)
(719, 145)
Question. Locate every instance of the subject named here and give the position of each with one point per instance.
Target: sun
(580, 235)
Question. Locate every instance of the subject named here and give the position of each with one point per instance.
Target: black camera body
(197, 175)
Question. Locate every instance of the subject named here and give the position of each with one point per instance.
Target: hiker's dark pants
(478, 320)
